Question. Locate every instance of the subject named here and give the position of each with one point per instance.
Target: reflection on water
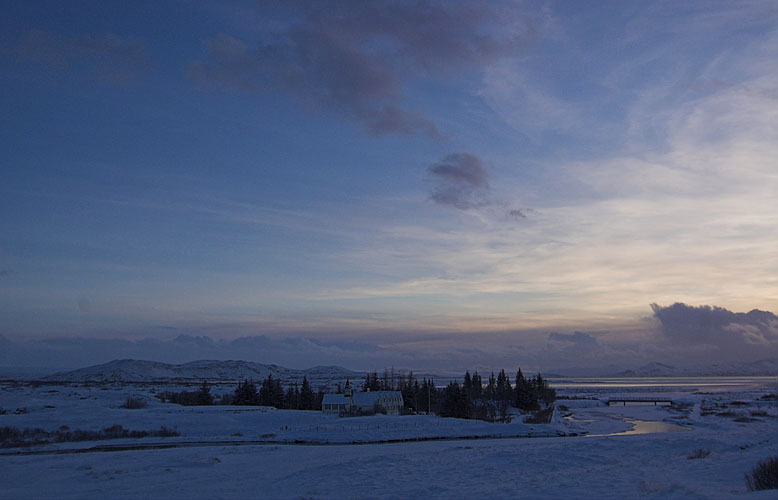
(646, 427)
(686, 384)
(638, 426)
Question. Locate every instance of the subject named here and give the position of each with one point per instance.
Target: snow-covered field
(247, 452)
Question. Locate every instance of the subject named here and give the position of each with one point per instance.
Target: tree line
(269, 393)
(474, 398)
(491, 400)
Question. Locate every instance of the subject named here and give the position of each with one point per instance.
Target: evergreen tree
(271, 393)
(372, 383)
(526, 392)
(531, 396)
(456, 402)
(491, 389)
(427, 397)
(307, 397)
(504, 389)
(318, 399)
(545, 393)
(245, 394)
(478, 386)
(409, 389)
(504, 396)
(518, 388)
(481, 409)
(204, 396)
(292, 397)
(467, 385)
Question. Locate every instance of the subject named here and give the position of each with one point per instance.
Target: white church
(391, 401)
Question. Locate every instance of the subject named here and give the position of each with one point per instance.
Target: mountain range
(764, 367)
(133, 370)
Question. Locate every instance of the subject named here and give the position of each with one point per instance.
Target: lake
(662, 384)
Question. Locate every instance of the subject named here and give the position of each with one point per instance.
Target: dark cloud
(577, 339)
(460, 180)
(357, 57)
(109, 57)
(740, 334)
(576, 349)
(521, 213)
(4, 273)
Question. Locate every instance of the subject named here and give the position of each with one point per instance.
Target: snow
(263, 459)
(90, 407)
(133, 370)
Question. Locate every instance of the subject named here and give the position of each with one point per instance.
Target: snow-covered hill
(757, 368)
(764, 367)
(133, 370)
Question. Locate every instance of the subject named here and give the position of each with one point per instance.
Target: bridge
(640, 400)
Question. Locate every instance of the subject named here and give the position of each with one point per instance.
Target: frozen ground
(94, 407)
(620, 466)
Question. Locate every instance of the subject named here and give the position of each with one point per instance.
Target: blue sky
(413, 175)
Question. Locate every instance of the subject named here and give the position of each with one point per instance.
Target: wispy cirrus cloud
(357, 59)
(690, 220)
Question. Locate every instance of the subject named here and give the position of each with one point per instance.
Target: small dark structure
(640, 400)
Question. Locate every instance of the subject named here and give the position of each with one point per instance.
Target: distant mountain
(653, 369)
(762, 367)
(133, 370)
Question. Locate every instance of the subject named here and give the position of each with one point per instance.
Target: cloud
(111, 58)
(4, 273)
(577, 339)
(357, 58)
(580, 349)
(693, 221)
(520, 213)
(200, 341)
(292, 352)
(460, 180)
(755, 332)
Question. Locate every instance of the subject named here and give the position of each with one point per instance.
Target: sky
(417, 183)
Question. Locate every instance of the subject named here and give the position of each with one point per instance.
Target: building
(391, 401)
(335, 403)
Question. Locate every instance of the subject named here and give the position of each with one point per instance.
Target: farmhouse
(391, 401)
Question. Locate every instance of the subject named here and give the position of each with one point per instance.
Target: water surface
(663, 384)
